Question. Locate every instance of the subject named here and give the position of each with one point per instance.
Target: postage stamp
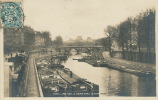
(11, 14)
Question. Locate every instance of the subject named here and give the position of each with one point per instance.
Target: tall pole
(109, 45)
(51, 54)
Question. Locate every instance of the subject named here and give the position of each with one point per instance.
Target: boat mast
(51, 54)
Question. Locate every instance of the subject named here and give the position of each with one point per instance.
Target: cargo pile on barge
(58, 81)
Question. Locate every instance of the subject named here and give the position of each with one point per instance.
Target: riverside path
(32, 89)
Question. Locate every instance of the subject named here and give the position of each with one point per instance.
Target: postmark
(11, 14)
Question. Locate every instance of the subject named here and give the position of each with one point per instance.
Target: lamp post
(51, 54)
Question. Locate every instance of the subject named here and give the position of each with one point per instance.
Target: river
(112, 82)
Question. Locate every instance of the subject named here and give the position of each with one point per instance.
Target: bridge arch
(88, 49)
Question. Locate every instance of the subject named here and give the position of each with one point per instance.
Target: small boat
(81, 60)
(76, 58)
(145, 73)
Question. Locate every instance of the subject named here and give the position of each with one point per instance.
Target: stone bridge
(87, 49)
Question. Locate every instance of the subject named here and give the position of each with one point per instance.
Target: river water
(112, 82)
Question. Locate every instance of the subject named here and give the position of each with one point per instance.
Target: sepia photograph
(78, 48)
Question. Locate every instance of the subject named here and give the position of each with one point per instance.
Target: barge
(58, 81)
(120, 68)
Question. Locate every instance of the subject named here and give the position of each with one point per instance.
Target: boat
(56, 66)
(58, 81)
(85, 58)
(145, 73)
(62, 57)
(98, 63)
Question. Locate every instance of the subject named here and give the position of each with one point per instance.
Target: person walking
(11, 55)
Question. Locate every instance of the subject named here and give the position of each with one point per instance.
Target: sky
(86, 18)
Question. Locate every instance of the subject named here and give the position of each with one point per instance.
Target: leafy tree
(103, 42)
(46, 36)
(139, 31)
(111, 32)
(58, 41)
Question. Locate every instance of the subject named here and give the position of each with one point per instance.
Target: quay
(136, 68)
(32, 89)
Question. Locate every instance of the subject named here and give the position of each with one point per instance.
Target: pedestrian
(11, 55)
(21, 74)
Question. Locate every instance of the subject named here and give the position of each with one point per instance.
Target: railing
(38, 81)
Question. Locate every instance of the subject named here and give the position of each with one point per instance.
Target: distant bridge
(80, 48)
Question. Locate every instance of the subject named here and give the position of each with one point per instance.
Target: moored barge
(57, 81)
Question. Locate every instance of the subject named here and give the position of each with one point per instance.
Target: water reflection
(147, 86)
(113, 82)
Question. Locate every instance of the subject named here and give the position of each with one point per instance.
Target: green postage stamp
(11, 14)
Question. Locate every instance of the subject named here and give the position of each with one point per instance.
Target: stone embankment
(137, 68)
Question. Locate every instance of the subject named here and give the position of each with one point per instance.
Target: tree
(103, 42)
(146, 32)
(47, 39)
(58, 41)
(139, 28)
(149, 30)
(139, 31)
(110, 31)
(129, 29)
(122, 36)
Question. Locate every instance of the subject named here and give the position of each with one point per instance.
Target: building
(89, 39)
(39, 40)
(9, 80)
(79, 39)
(13, 39)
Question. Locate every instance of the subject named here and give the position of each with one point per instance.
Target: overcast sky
(86, 18)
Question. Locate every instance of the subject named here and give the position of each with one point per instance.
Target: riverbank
(104, 60)
(129, 66)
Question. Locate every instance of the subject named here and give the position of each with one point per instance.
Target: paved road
(32, 87)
